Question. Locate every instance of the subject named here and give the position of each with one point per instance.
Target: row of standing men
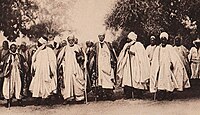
(68, 70)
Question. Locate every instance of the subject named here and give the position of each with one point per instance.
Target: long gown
(44, 63)
(73, 76)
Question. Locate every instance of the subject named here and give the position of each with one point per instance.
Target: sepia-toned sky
(85, 17)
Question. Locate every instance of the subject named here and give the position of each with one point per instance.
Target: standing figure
(23, 50)
(194, 59)
(89, 63)
(70, 59)
(3, 52)
(167, 71)
(151, 48)
(133, 68)
(103, 71)
(183, 53)
(14, 69)
(44, 66)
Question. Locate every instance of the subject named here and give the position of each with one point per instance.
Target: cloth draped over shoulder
(139, 63)
(167, 71)
(73, 76)
(104, 58)
(44, 66)
(14, 81)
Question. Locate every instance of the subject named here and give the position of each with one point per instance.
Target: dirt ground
(184, 103)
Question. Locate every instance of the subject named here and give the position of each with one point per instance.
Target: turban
(132, 36)
(23, 43)
(42, 41)
(12, 43)
(152, 37)
(164, 34)
(196, 41)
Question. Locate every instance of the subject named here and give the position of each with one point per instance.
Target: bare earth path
(119, 107)
(184, 103)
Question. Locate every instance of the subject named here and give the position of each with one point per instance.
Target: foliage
(16, 16)
(151, 17)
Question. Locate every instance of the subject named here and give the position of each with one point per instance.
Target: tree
(16, 16)
(151, 17)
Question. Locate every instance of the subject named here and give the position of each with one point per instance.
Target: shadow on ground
(191, 93)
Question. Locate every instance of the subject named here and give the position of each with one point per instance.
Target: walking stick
(86, 97)
(132, 93)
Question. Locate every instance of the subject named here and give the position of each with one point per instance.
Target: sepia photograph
(99, 57)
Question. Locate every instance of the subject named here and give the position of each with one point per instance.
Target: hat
(132, 36)
(42, 40)
(164, 34)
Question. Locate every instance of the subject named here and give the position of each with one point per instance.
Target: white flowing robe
(183, 55)
(194, 58)
(13, 81)
(73, 75)
(161, 75)
(44, 61)
(139, 63)
(150, 50)
(105, 72)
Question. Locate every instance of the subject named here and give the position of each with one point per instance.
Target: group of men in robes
(69, 70)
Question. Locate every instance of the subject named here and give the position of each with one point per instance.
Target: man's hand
(113, 81)
(51, 74)
(131, 53)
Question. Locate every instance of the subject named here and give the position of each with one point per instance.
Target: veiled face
(13, 48)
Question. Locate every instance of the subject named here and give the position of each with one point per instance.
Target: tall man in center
(70, 59)
(104, 68)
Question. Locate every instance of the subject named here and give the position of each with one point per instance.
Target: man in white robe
(44, 67)
(73, 76)
(151, 48)
(194, 59)
(14, 68)
(182, 53)
(167, 71)
(133, 67)
(104, 69)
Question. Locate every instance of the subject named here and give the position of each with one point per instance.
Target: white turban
(152, 37)
(12, 43)
(164, 34)
(132, 36)
(42, 41)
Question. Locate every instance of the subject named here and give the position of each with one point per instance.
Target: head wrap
(132, 36)
(42, 40)
(196, 41)
(152, 37)
(164, 34)
(23, 44)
